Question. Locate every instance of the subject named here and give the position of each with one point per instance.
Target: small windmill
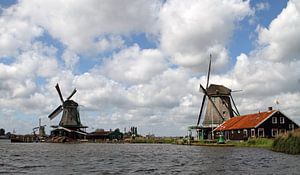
(41, 129)
(40, 137)
(219, 107)
(70, 120)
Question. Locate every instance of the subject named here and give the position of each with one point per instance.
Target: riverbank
(254, 142)
(288, 143)
(154, 140)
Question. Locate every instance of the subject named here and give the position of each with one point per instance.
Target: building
(100, 135)
(262, 124)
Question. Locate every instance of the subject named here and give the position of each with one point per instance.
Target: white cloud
(16, 33)
(78, 25)
(70, 58)
(281, 40)
(133, 65)
(191, 30)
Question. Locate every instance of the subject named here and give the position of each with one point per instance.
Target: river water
(88, 158)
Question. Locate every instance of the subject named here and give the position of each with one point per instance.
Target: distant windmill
(219, 106)
(41, 129)
(70, 120)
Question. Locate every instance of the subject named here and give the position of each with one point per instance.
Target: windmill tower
(219, 106)
(70, 120)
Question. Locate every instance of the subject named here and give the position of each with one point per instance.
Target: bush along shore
(288, 143)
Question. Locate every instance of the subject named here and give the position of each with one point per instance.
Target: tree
(2, 132)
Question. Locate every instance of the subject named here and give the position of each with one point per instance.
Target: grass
(254, 142)
(288, 143)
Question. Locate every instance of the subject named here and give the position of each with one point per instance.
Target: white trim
(252, 135)
(291, 128)
(263, 132)
(245, 132)
(283, 121)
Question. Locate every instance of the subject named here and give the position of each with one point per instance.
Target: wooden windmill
(70, 120)
(219, 106)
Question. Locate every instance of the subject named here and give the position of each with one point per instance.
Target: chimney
(270, 108)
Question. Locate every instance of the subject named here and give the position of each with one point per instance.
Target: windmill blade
(204, 97)
(214, 105)
(71, 95)
(55, 112)
(59, 93)
(238, 114)
(229, 109)
(201, 109)
(208, 72)
(237, 90)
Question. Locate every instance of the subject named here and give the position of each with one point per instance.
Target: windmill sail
(204, 96)
(55, 112)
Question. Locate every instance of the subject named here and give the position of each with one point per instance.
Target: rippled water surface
(44, 158)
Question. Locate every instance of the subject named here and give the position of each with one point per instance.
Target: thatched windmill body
(70, 124)
(218, 107)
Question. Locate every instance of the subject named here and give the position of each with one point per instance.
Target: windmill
(70, 120)
(219, 106)
(41, 128)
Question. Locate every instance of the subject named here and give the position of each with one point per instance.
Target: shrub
(289, 143)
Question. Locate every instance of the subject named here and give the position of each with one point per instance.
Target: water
(87, 158)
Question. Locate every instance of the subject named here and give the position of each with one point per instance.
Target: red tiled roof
(245, 121)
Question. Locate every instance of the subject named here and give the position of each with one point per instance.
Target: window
(281, 120)
(274, 132)
(252, 132)
(261, 132)
(274, 120)
(238, 131)
(291, 126)
(245, 133)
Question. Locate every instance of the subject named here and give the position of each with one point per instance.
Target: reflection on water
(141, 159)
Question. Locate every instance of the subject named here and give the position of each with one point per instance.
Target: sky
(140, 62)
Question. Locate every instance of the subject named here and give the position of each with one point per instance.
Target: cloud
(281, 41)
(133, 65)
(191, 30)
(262, 6)
(16, 33)
(83, 26)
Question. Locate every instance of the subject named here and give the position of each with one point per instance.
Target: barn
(266, 124)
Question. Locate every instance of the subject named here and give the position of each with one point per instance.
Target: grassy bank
(288, 143)
(156, 140)
(254, 142)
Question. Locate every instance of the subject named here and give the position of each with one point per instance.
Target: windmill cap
(215, 89)
(70, 103)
